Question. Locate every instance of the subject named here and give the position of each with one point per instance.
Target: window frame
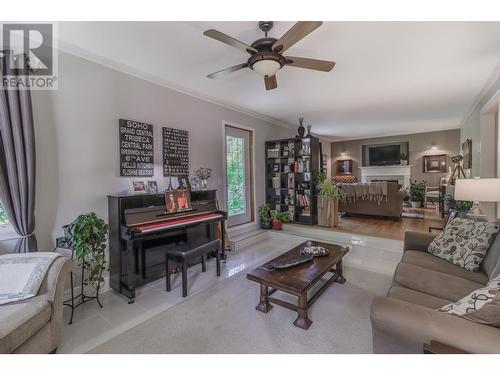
(251, 175)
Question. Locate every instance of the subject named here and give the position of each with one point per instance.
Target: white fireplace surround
(401, 173)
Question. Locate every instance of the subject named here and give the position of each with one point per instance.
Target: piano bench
(185, 256)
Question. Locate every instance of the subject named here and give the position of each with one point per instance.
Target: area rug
(414, 213)
(223, 319)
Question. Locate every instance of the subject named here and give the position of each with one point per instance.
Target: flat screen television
(384, 155)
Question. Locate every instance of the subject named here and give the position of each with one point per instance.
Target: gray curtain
(17, 156)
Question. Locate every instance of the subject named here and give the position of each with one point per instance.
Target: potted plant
(279, 218)
(403, 158)
(329, 195)
(462, 207)
(87, 235)
(265, 216)
(203, 174)
(416, 193)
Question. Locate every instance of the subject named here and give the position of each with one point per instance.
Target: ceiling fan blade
(302, 62)
(270, 82)
(296, 33)
(221, 37)
(228, 70)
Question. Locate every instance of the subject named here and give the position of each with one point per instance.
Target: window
(3, 217)
(238, 175)
(6, 230)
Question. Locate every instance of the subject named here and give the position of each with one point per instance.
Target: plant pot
(266, 225)
(328, 210)
(416, 204)
(404, 162)
(277, 224)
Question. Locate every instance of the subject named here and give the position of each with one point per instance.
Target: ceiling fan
(266, 54)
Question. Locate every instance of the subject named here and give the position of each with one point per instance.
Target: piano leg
(223, 241)
(217, 258)
(130, 290)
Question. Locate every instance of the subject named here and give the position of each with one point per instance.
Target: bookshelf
(291, 167)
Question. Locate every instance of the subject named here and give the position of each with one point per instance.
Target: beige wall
(447, 142)
(77, 139)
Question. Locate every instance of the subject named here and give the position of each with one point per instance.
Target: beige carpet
(223, 319)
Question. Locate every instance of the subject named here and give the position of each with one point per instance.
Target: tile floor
(93, 326)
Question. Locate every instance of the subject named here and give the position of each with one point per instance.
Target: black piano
(140, 231)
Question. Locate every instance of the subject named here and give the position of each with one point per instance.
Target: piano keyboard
(177, 222)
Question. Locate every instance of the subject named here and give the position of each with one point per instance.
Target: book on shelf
(276, 181)
(291, 182)
(273, 153)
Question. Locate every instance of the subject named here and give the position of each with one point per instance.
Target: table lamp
(477, 190)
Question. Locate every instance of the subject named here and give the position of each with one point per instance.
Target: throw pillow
(481, 306)
(464, 242)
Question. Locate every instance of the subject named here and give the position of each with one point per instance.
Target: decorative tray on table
(315, 251)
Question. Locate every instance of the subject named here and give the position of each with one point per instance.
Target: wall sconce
(434, 146)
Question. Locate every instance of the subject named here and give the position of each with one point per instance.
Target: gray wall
(77, 139)
(447, 142)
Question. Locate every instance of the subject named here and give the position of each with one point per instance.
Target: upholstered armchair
(35, 325)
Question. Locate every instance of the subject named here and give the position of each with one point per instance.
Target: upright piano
(140, 231)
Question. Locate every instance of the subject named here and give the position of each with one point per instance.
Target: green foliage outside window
(235, 175)
(3, 216)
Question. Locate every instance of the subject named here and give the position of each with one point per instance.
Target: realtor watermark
(29, 56)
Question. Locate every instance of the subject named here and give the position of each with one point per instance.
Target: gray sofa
(36, 324)
(407, 318)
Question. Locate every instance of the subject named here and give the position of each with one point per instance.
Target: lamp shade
(266, 67)
(478, 189)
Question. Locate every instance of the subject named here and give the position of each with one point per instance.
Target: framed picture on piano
(138, 186)
(170, 201)
(183, 199)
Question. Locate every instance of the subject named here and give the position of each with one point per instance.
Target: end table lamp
(477, 190)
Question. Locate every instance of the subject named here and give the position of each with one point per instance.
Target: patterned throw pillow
(481, 306)
(464, 243)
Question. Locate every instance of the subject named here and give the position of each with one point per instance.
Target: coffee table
(298, 280)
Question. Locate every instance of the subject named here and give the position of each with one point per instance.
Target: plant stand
(74, 301)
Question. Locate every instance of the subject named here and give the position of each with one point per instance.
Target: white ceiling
(390, 77)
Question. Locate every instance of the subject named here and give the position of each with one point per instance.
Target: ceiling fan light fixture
(266, 67)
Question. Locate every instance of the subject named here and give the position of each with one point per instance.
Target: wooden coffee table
(298, 280)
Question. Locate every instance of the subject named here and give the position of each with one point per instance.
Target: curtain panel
(17, 154)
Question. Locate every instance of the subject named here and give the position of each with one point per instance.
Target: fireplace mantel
(401, 173)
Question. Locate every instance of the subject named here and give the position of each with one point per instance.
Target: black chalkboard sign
(175, 152)
(136, 149)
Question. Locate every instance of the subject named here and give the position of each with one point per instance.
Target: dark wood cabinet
(292, 166)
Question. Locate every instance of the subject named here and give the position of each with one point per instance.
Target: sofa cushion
(418, 298)
(435, 283)
(482, 305)
(464, 242)
(426, 260)
(491, 262)
(19, 321)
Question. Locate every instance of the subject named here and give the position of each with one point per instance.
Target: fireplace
(393, 173)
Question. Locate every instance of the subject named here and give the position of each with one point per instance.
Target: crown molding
(126, 69)
(492, 81)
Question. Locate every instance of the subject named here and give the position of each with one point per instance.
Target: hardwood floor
(387, 228)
